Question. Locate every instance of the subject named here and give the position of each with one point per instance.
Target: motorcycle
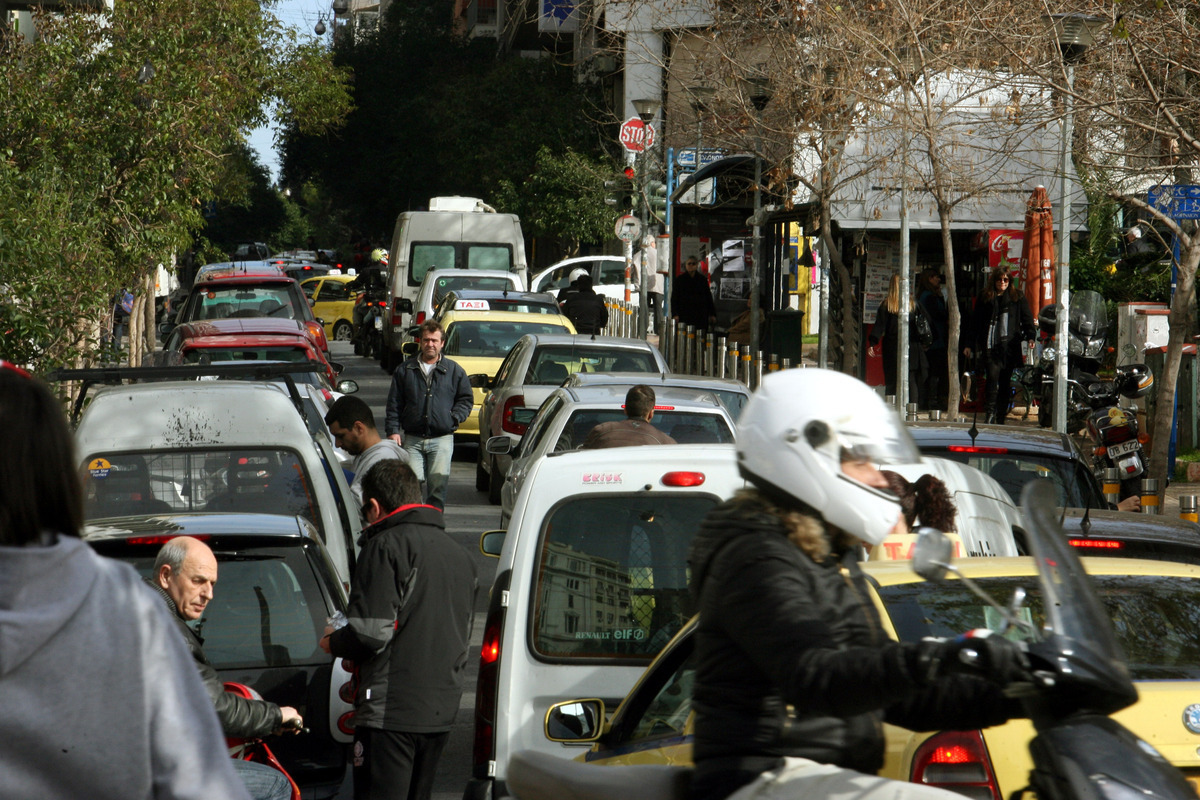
(1077, 677)
(256, 749)
(368, 323)
(1093, 402)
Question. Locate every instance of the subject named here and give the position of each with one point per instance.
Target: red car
(247, 291)
(246, 339)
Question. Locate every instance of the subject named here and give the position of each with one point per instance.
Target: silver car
(536, 366)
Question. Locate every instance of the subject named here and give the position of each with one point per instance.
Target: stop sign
(636, 136)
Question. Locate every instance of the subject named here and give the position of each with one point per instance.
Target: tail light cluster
(347, 693)
(957, 761)
(420, 317)
(483, 749)
(508, 423)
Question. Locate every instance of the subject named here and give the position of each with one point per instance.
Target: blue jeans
(263, 782)
(430, 461)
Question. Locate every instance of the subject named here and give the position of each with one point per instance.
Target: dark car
(276, 588)
(1100, 532)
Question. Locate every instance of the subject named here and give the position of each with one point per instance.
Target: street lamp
(905, 70)
(760, 94)
(647, 109)
(1074, 34)
(339, 8)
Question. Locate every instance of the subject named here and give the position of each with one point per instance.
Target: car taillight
(957, 761)
(396, 312)
(345, 723)
(683, 479)
(420, 317)
(507, 423)
(1096, 544)
(161, 539)
(962, 448)
(318, 333)
(486, 688)
(382, 303)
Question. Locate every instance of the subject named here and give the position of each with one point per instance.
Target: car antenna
(974, 431)
(1085, 524)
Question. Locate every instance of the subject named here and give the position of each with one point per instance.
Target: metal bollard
(935, 415)
(734, 360)
(1112, 485)
(773, 363)
(1187, 508)
(786, 364)
(680, 347)
(1150, 496)
(744, 369)
(758, 369)
(708, 354)
(910, 412)
(890, 400)
(720, 357)
(690, 363)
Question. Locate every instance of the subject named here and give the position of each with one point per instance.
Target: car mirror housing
(492, 542)
(575, 721)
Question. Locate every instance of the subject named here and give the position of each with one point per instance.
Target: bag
(923, 326)
(126, 302)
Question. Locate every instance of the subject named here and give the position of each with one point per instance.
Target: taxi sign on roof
(472, 305)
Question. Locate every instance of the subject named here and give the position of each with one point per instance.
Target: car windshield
(1013, 470)
(267, 609)
(224, 302)
(270, 481)
(685, 427)
(450, 283)
(553, 364)
(1155, 617)
(613, 579)
(209, 355)
(491, 339)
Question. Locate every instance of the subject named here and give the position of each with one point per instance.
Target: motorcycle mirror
(931, 554)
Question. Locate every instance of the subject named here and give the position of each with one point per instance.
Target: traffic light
(656, 197)
(619, 190)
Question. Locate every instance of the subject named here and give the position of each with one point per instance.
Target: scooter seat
(533, 775)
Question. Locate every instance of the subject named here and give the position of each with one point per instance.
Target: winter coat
(100, 697)
(428, 407)
(692, 300)
(586, 310)
(624, 433)
(412, 606)
(792, 659)
(241, 717)
(999, 325)
(935, 306)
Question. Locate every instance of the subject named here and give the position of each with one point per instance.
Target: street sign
(686, 158)
(1177, 202)
(636, 136)
(628, 228)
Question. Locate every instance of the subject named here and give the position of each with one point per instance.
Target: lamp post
(902, 399)
(647, 110)
(702, 95)
(760, 95)
(339, 8)
(1073, 33)
(823, 254)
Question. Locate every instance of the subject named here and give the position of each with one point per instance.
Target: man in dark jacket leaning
(408, 629)
(429, 398)
(185, 574)
(585, 308)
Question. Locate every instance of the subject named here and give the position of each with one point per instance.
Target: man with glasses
(691, 298)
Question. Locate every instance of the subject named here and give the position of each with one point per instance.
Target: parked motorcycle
(1078, 677)
(1093, 402)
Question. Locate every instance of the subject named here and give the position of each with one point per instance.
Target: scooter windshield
(1089, 316)
(1072, 608)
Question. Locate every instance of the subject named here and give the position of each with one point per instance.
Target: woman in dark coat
(1000, 322)
(930, 299)
(887, 330)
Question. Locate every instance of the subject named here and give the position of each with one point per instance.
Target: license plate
(1120, 449)
(379, 323)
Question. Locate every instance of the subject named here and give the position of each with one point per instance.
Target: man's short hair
(639, 401)
(392, 484)
(171, 554)
(431, 326)
(347, 410)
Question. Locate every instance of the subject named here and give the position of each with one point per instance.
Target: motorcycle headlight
(1093, 349)
(1076, 348)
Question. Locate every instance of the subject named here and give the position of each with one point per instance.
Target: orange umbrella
(1037, 257)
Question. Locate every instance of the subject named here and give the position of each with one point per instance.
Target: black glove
(981, 653)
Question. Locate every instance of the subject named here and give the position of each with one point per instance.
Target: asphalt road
(468, 514)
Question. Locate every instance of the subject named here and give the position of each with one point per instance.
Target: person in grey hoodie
(353, 427)
(100, 696)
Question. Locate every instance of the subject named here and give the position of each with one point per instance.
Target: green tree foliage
(438, 114)
(119, 126)
(574, 185)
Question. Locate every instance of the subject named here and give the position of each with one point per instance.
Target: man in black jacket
(585, 308)
(185, 574)
(429, 398)
(794, 673)
(691, 298)
(408, 629)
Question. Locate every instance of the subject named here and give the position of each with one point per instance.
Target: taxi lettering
(602, 478)
(472, 305)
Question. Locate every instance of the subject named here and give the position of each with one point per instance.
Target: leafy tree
(564, 198)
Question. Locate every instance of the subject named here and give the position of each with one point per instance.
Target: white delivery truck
(455, 233)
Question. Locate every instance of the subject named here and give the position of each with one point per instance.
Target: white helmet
(798, 428)
(579, 272)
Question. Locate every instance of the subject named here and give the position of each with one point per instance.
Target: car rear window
(491, 339)
(209, 355)
(1013, 470)
(1155, 617)
(685, 427)
(548, 363)
(224, 302)
(612, 578)
(267, 608)
(487, 256)
(451, 283)
(269, 481)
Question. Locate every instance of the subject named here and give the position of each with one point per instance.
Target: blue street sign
(1177, 202)
(686, 159)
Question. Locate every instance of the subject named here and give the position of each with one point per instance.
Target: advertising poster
(1004, 248)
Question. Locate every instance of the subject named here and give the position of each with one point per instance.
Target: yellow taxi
(1152, 607)
(478, 341)
(332, 303)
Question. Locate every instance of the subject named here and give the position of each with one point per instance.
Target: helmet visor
(882, 444)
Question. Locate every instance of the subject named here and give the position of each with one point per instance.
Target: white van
(592, 582)
(455, 233)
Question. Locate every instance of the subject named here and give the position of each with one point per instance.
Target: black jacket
(412, 605)
(433, 407)
(792, 660)
(999, 325)
(586, 310)
(692, 300)
(240, 717)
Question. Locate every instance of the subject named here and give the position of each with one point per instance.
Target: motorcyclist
(794, 675)
(573, 286)
(371, 281)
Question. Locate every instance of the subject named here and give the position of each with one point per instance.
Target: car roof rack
(115, 376)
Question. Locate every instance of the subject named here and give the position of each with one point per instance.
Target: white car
(732, 393)
(689, 416)
(608, 276)
(440, 282)
(536, 366)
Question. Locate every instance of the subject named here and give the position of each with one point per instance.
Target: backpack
(923, 326)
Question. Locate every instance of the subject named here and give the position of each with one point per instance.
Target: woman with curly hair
(927, 500)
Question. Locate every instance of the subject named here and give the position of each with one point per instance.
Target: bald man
(185, 574)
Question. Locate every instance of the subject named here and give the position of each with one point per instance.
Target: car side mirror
(498, 445)
(492, 542)
(410, 348)
(404, 304)
(480, 381)
(347, 386)
(575, 721)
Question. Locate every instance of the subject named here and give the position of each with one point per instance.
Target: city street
(468, 514)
